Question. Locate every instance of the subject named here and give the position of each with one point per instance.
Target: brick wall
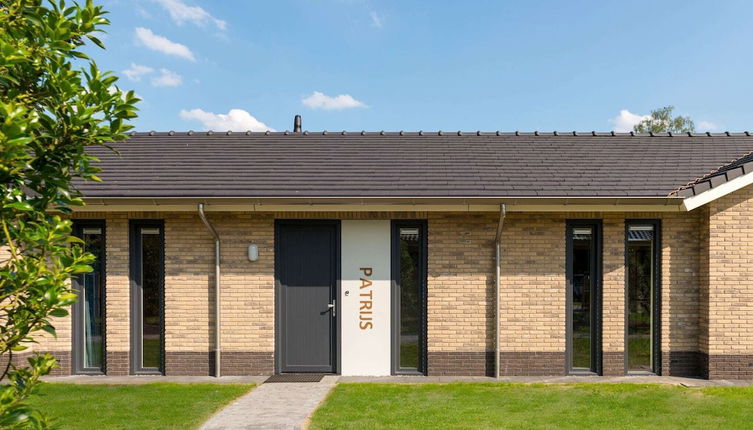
(117, 293)
(680, 308)
(533, 291)
(248, 317)
(460, 292)
(460, 288)
(247, 300)
(532, 294)
(728, 289)
(613, 295)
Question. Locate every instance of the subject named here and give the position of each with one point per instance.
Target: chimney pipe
(297, 124)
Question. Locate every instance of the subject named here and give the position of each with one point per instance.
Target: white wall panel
(365, 297)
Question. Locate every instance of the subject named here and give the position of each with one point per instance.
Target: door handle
(333, 307)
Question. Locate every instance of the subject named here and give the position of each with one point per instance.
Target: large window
(642, 296)
(408, 303)
(583, 296)
(89, 310)
(147, 297)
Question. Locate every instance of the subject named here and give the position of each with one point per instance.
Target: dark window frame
(77, 311)
(395, 299)
(136, 351)
(596, 295)
(656, 311)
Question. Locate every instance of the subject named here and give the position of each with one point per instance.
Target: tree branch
(7, 366)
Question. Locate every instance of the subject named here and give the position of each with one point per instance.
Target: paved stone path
(273, 406)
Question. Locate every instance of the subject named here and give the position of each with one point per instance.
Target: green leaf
(59, 313)
(50, 329)
(96, 41)
(21, 206)
(81, 268)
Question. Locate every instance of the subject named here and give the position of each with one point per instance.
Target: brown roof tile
(408, 164)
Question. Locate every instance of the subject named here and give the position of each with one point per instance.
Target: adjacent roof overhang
(381, 204)
(716, 187)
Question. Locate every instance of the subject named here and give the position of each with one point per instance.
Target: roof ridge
(440, 133)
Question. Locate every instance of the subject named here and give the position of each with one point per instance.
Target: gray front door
(307, 266)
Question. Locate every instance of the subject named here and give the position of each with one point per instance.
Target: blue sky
(440, 65)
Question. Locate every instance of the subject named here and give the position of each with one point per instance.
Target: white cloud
(181, 13)
(707, 126)
(625, 121)
(319, 100)
(234, 120)
(167, 78)
(162, 44)
(136, 71)
(376, 20)
(143, 12)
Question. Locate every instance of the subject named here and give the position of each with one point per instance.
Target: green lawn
(149, 406)
(519, 406)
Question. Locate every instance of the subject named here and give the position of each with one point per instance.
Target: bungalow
(416, 253)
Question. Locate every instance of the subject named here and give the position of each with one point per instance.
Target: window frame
(422, 225)
(596, 308)
(77, 311)
(136, 350)
(656, 298)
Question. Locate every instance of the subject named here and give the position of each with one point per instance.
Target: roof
(419, 164)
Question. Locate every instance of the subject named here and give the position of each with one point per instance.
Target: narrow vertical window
(147, 278)
(408, 296)
(641, 279)
(89, 309)
(583, 273)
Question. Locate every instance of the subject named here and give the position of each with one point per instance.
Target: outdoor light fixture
(253, 252)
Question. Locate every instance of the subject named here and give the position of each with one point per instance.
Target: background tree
(661, 120)
(49, 113)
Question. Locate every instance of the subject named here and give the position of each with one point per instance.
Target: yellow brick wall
(534, 281)
(613, 284)
(703, 271)
(460, 302)
(681, 252)
(532, 292)
(460, 280)
(247, 287)
(117, 285)
(729, 292)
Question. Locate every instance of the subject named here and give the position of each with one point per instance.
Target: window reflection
(410, 298)
(582, 300)
(151, 297)
(640, 284)
(91, 296)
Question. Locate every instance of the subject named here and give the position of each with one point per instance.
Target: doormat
(295, 377)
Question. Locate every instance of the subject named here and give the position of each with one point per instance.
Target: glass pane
(410, 308)
(92, 300)
(582, 289)
(151, 284)
(640, 279)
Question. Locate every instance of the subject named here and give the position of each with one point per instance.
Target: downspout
(217, 325)
(498, 264)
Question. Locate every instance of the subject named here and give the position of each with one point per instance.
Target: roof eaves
(715, 177)
(710, 190)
